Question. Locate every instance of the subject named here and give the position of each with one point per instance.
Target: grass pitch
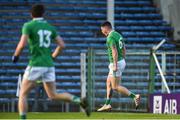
(94, 115)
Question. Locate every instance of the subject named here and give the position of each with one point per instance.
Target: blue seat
(73, 91)
(159, 34)
(2, 92)
(129, 34)
(133, 39)
(158, 39)
(168, 45)
(158, 22)
(8, 84)
(145, 22)
(151, 28)
(144, 34)
(135, 9)
(124, 15)
(71, 14)
(148, 39)
(149, 9)
(92, 27)
(122, 9)
(132, 3)
(165, 28)
(90, 21)
(123, 28)
(137, 28)
(5, 100)
(86, 33)
(144, 2)
(154, 15)
(10, 92)
(68, 84)
(3, 78)
(140, 15)
(61, 8)
(120, 23)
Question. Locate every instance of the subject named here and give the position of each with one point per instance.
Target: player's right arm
(59, 48)
(22, 43)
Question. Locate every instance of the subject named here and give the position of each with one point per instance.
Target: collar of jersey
(111, 32)
(40, 18)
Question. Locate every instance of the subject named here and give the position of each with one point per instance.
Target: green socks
(132, 95)
(23, 117)
(76, 100)
(108, 101)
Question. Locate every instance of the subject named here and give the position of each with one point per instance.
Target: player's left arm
(124, 51)
(115, 57)
(22, 43)
(59, 48)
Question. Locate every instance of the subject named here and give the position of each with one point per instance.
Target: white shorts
(121, 66)
(45, 74)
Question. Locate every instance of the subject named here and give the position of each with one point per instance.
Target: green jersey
(115, 39)
(41, 34)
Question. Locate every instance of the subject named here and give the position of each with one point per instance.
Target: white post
(67, 107)
(83, 75)
(155, 48)
(18, 85)
(163, 65)
(110, 12)
(161, 73)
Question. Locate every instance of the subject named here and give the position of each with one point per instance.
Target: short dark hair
(37, 10)
(106, 24)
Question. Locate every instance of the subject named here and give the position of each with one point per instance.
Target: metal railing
(97, 62)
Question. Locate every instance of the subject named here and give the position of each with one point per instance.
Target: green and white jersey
(41, 34)
(115, 39)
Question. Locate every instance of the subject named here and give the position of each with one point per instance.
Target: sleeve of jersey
(25, 29)
(121, 39)
(54, 35)
(111, 41)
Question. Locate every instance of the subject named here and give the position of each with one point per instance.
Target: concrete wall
(170, 9)
(110, 11)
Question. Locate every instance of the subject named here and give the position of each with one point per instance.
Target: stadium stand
(78, 23)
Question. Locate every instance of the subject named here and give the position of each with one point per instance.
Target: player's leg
(25, 89)
(51, 92)
(116, 78)
(117, 87)
(108, 90)
(107, 105)
(124, 90)
(50, 88)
